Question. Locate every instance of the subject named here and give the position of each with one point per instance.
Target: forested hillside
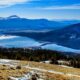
(40, 55)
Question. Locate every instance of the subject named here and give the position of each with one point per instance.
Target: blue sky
(50, 9)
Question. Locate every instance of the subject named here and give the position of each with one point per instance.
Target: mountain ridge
(15, 22)
(67, 37)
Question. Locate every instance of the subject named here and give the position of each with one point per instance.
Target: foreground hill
(23, 70)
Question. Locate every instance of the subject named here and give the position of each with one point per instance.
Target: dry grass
(74, 71)
(6, 71)
(52, 67)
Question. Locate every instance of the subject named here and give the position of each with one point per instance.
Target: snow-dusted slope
(59, 48)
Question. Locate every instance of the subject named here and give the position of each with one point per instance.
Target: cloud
(74, 6)
(5, 3)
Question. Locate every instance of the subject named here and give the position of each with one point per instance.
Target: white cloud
(5, 3)
(74, 6)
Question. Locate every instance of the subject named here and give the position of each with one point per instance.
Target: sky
(35, 9)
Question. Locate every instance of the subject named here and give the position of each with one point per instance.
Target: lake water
(17, 41)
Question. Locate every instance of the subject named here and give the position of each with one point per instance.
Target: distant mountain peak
(13, 17)
(1, 18)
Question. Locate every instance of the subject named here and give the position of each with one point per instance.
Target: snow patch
(65, 66)
(7, 37)
(59, 48)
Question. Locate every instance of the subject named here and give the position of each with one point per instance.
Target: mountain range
(17, 23)
(68, 36)
(63, 33)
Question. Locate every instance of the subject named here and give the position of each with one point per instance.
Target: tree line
(39, 55)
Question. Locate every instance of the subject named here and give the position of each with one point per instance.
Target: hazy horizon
(40, 18)
(41, 9)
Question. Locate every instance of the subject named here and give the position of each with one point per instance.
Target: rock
(18, 67)
(12, 68)
(34, 77)
(1, 78)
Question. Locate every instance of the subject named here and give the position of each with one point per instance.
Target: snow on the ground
(5, 60)
(8, 62)
(52, 71)
(44, 70)
(27, 76)
(65, 66)
(72, 75)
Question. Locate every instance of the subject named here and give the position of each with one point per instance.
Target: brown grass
(52, 67)
(6, 71)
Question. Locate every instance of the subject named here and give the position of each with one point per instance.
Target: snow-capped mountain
(13, 17)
